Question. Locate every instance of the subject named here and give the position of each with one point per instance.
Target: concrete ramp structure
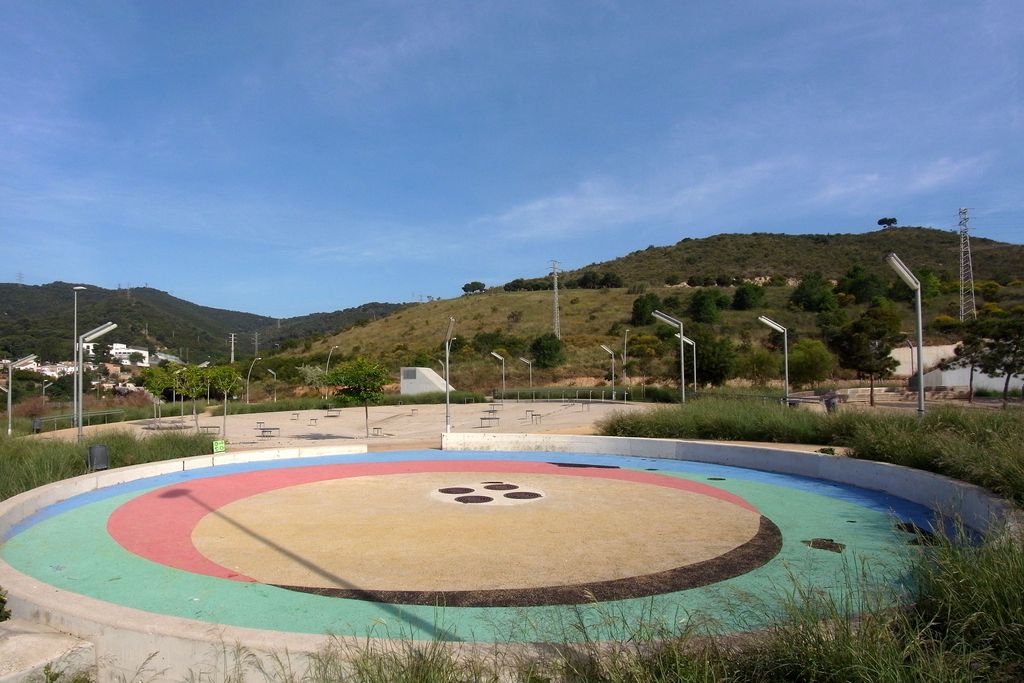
(421, 381)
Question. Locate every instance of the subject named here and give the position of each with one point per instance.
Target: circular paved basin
(461, 545)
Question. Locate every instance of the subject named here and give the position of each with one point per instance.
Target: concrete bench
(489, 420)
(312, 422)
(267, 432)
(378, 431)
(332, 412)
(209, 429)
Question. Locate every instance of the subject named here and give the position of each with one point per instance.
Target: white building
(421, 381)
(121, 352)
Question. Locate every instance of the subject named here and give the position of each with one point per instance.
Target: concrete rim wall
(974, 506)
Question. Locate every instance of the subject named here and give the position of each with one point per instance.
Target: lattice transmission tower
(967, 309)
(554, 276)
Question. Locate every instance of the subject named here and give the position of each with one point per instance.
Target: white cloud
(602, 205)
(943, 172)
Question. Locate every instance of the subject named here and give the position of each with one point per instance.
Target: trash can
(98, 458)
(831, 404)
(37, 425)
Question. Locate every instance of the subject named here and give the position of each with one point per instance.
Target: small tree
(474, 287)
(995, 344)
(157, 380)
(313, 376)
(224, 379)
(548, 351)
(887, 222)
(643, 307)
(866, 343)
(706, 305)
(809, 362)
(759, 365)
(362, 380)
(747, 296)
(814, 294)
(193, 381)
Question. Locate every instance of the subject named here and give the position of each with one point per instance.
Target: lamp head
(607, 349)
(666, 318)
(771, 323)
(498, 356)
(525, 360)
(22, 362)
(896, 264)
(97, 332)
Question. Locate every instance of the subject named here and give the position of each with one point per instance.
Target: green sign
(219, 446)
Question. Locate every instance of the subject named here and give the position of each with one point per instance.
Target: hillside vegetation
(39, 319)
(791, 256)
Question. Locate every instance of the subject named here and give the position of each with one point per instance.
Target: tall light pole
(612, 354)
(248, 375)
(896, 264)
(328, 368)
(275, 383)
(625, 343)
(11, 367)
(785, 349)
(693, 346)
(85, 338)
(76, 392)
(498, 356)
(448, 339)
(530, 364)
(678, 324)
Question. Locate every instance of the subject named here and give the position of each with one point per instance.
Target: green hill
(39, 319)
(791, 256)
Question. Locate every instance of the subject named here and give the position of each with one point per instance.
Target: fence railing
(55, 422)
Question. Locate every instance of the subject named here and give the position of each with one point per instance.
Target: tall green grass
(982, 447)
(28, 463)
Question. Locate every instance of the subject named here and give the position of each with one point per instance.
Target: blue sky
(291, 157)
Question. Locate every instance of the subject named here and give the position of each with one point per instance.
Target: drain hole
(522, 495)
(474, 499)
(501, 487)
(456, 490)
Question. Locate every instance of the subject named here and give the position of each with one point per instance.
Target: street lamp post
(622, 373)
(248, 375)
(275, 383)
(11, 367)
(529, 363)
(328, 368)
(785, 350)
(693, 346)
(669, 320)
(612, 354)
(896, 264)
(46, 384)
(85, 338)
(448, 339)
(498, 356)
(76, 392)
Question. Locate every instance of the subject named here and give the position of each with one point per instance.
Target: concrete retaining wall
(978, 508)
